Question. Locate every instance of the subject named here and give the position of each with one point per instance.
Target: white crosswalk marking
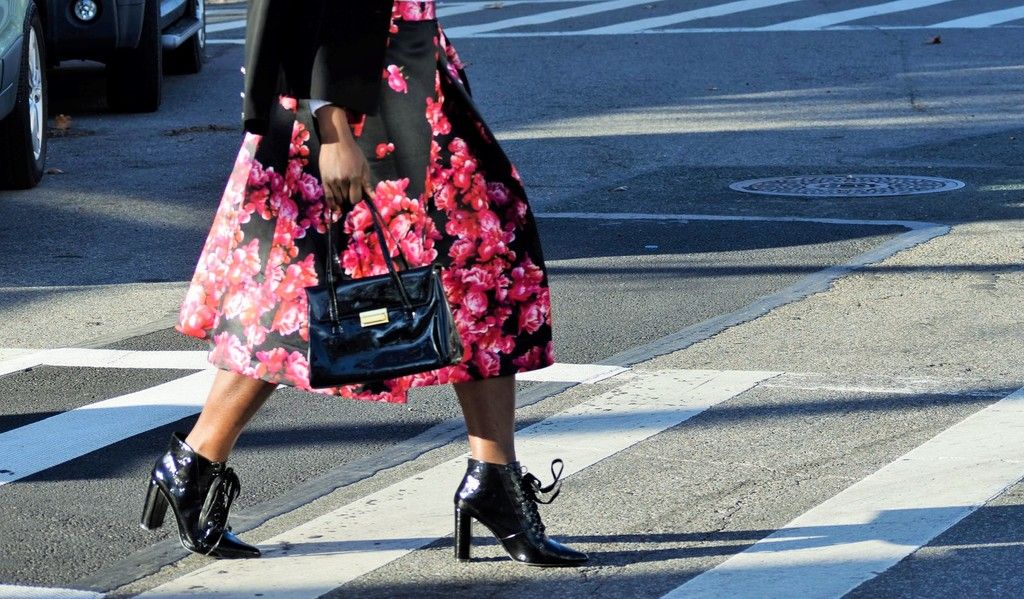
(719, 10)
(451, 11)
(225, 26)
(338, 547)
(841, 20)
(8, 591)
(32, 448)
(197, 360)
(546, 17)
(107, 358)
(447, 9)
(986, 19)
(50, 442)
(844, 16)
(866, 529)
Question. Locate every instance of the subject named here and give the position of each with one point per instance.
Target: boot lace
(222, 493)
(534, 492)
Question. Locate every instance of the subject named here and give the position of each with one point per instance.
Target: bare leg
(489, 407)
(232, 402)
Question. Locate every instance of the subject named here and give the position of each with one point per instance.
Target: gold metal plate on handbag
(373, 317)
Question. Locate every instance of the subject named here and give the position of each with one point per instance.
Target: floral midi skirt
(448, 195)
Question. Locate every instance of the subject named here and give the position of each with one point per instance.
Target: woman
(413, 143)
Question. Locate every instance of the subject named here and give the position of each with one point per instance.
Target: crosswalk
(845, 540)
(40, 445)
(825, 552)
(544, 18)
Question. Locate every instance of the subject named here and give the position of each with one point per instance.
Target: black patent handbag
(380, 327)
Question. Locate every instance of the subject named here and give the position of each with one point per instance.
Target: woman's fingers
(354, 191)
(332, 195)
(345, 175)
(367, 186)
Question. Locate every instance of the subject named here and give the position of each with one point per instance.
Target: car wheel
(135, 75)
(188, 58)
(23, 133)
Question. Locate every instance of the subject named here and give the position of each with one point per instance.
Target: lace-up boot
(504, 498)
(199, 493)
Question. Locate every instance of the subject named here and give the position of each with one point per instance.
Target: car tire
(188, 58)
(135, 75)
(23, 135)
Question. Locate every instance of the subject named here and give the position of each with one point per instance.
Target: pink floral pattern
(414, 10)
(463, 207)
(396, 80)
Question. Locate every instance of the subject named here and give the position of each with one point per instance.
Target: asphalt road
(655, 123)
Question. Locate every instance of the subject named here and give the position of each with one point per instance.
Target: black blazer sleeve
(332, 50)
(349, 61)
(264, 68)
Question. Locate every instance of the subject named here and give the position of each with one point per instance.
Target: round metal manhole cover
(847, 186)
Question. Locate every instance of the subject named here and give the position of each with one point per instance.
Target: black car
(131, 37)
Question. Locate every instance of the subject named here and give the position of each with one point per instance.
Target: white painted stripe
(7, 353)
(545, 17)
(681, 31)
(119, 358)
(8, 591)
(32, 448)
(197, 360)
(843, 16)
(225, 26)
(572, 373)
(712, 30)
(500, 2)
(870, 526)
(106, 358)
(22, 361)
(47, 443)
(985, 19)
(442, 12)
(451, 11)
(707, 12)
(342, 545)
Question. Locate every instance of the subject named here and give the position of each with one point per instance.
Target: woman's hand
(344, 172)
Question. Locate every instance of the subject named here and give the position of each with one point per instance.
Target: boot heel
(155, 508)
(463, 535)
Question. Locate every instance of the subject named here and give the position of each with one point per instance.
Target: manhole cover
(844, 186)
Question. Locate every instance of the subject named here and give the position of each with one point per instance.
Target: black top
(332, 50)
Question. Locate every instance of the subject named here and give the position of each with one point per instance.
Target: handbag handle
(378, 226)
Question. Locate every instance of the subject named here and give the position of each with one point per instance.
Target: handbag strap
(378, 227)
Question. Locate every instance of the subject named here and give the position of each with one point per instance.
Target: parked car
(23, 101)
(136, 39)
(131, 37)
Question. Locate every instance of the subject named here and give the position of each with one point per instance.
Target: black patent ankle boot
(199, 493)
(505, 500)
